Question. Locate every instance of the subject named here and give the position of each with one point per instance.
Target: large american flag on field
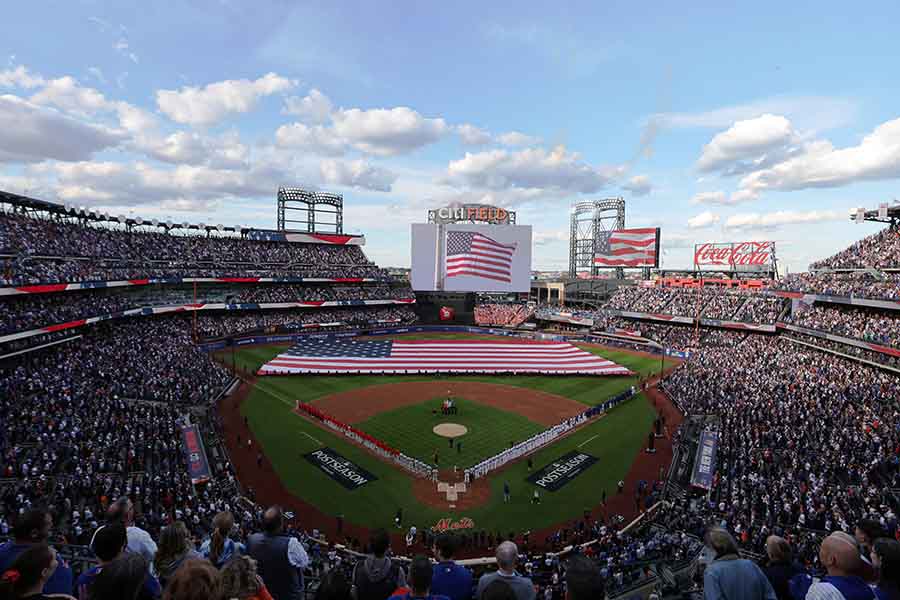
(471, 253)
(627, 248)
(439, 356)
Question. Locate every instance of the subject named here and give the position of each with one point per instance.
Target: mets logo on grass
(563, 470)
(447, 524)
(343, 471)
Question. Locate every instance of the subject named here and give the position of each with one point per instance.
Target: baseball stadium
(166, 374)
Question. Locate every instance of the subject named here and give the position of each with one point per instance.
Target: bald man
(280, 558)
(507, 557)
(839, 554)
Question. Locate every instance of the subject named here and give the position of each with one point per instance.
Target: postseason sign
(562, 471)
(339, 468)
(705, 462)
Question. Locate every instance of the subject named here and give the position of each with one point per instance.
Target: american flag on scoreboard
(438, 356)
(627, 248)
(471, 253)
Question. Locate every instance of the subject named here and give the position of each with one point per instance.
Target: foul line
(312, 438)
(587, 440)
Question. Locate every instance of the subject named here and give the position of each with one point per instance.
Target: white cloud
(214, 102)
(357, 173)
(315, 107)
(97, 74)
(748, 145)
(191, 148)
(876, 157)
(67, 94)
(20, 77)
(639, 185)
(534, 168)
(516, 138)
(704, 219)
(387, 131)
(777, 219)
(473, 136)
(131, 184)
(315, 139)
(30, 133)
(807, 112)
(709, 198)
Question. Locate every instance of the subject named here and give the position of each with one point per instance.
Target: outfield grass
(615, 439)
(489, 431)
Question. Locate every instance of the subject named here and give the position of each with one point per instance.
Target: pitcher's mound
(450, 430)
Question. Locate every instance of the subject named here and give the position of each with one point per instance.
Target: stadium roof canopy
(89, 214)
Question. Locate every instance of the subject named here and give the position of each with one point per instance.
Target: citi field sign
(473, 212)
(737, 254)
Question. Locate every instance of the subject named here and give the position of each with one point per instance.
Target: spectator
(280, 558)
(139, 541)
(866, 532)
(886, 559)
(175, 547)
(498, 589)
(32, 528)
(780, 566)
(196, 579)
(420, 576)
(220, 548)
(109, 544)
(240, 580)
(730, 577)
(583, 581)
(450, 579)
(30, 573)
(839, 554)
(507, 557)
(334, 586)
(128, 576)
(376, 576)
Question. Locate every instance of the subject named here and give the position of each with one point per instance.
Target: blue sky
(716, 123)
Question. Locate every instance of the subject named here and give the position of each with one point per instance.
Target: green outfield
(489, 431)
(614, 439)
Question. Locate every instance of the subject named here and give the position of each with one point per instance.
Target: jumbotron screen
(462, 257)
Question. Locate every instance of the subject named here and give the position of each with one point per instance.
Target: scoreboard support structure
(589, 219)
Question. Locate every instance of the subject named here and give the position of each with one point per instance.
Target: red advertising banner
(750, 256)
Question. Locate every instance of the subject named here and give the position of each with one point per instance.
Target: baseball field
(403, 411)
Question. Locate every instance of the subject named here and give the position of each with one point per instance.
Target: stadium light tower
(589, 220)
(301, 210)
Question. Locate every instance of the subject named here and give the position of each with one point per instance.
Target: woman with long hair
(220, 548)
(25, 578)
(240, 580)
(175, 547)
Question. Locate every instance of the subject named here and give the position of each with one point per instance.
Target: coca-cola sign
(747, 255)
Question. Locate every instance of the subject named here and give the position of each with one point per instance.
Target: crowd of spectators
(878, 251)
(881, 286)
(340, 319)
(806, 443)
(503, 315)
(879, 327)
(43, 250)
(760, 309)
(707, 303)
(29, 311)
(855, 351)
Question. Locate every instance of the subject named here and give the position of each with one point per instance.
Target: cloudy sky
(715, 123)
